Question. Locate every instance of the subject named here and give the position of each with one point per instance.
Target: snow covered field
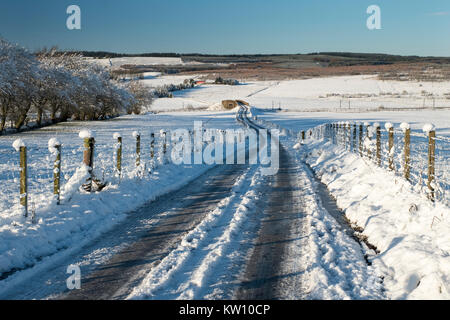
(318, 94)
(413, 244)
(155, 79)
(117, 62)
(352, 92)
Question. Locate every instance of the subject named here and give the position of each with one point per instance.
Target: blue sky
(409, 27)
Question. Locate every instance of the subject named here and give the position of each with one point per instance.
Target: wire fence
(39, 172)
(419, 157)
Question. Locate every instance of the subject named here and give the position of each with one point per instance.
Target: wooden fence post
(20, 147)
(344, 129)
(118, 137)
(137, 135)
(354, 138)
(431, 161)
(23, 180)
(390, 128)
(378, 151)
(57, 174)
(164, 144)
(303, 136)
(337, 134)
(333, 133)
(338, 139)
(152, 146)
(368, 136)
(162, 157)
(88, 160)
(349, 135)
(407, 152)
(360, 139)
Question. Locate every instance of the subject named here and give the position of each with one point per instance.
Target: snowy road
(232, 233)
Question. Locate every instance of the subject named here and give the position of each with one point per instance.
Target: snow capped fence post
(429, 129)
(349, 136)
(369, 140)
(344, 135)
(354, 138)
(23, 179)
(118, 137)
(378, 151)
(303, 136)
(152, 146)
(88, 156)
(360, 139)
(137, 135)
(164, 144)
(19, 145)
(407, 149)
(336, 133)
(54, 146)
(332, 132)
(390, 128)
(339, 133)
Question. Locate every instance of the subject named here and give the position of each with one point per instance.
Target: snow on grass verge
(331, 263)
(410, 232)
(82, 216)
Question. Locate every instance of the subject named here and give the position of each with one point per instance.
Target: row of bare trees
(59, 86)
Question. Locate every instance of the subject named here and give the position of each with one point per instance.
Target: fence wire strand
(419, 144)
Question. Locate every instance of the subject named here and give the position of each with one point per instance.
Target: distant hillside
(291, 66)
(333, 58)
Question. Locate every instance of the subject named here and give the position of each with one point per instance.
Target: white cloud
(440, 13)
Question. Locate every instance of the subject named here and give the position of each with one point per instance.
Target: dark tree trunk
(22, 117)
(39, 117)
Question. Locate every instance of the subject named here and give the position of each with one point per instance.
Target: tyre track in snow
(265, 277)
(178, 214)
(206, 263)
(301, 251)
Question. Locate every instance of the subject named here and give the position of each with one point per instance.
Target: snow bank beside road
(85, 216)
(410, 232)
